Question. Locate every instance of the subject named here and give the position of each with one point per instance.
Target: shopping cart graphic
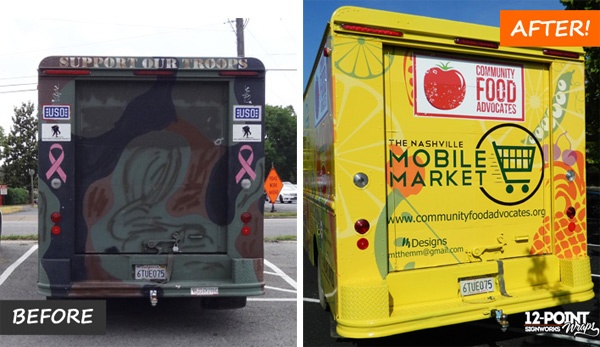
(514, 160)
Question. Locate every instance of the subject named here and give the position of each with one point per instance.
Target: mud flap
(333, 328)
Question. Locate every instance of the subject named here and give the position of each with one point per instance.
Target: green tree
(2, 143)
(20, 148)
(592, 95)
(281, 141)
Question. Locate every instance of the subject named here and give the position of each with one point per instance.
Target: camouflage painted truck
(444, 174)
(151, 175)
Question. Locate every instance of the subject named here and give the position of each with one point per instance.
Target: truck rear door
(151, 170)
(465, 142)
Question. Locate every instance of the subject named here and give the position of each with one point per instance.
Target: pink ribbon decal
(245, 164)
(56, 163)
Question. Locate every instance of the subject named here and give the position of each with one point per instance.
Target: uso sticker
(56, 112)
(247, 113)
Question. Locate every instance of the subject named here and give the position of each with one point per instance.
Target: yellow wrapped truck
(444, 174)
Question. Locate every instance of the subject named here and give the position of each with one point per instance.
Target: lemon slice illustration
(359, 58)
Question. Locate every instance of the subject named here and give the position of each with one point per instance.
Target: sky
(486, 12)
(33, 30)
(277, 33)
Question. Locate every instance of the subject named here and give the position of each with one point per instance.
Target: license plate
(474, 286)
(150, 272)
(205, 291)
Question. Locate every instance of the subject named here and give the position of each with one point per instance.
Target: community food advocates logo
(567, 322)
(449, 87)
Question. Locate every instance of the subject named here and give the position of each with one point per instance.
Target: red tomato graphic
(444, 87)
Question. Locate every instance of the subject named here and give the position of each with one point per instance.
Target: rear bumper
(109, 276)
(429, 298)
(174, 289)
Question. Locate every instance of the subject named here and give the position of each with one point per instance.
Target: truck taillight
(66, 72)
(362, 244)
(55, 230)
(55, 217)
(362, 226)
(476, 43)
(246, 217)
(562, 54)
(154, 72)
(369, 30)
(237, 73)
(246, 230)
(571, 212)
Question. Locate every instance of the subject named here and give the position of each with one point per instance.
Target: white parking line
(281, 289)
(283, 275)
(16, 264)
(277, 272)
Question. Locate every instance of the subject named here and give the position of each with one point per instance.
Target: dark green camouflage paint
(147, 181)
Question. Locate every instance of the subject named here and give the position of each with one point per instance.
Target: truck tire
(322, 299)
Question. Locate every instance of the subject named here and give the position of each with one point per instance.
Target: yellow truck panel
(444, 174)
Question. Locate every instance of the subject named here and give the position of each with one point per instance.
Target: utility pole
(239, 32)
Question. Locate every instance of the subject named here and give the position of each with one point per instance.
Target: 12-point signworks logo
(572, 323)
